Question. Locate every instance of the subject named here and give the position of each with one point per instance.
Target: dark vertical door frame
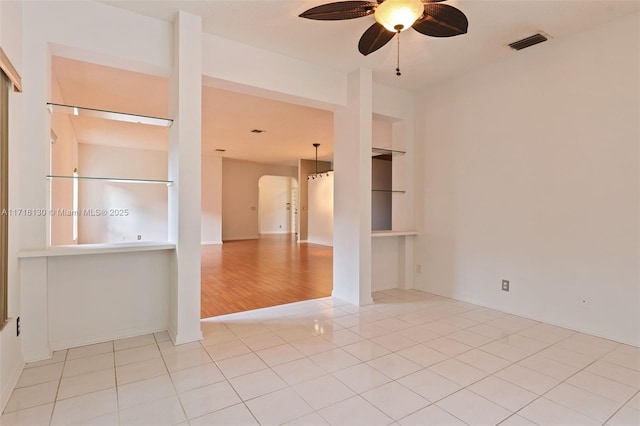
(4, 195)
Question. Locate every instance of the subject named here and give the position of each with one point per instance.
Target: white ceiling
(274, 25)
(493, 24)
(227, 117)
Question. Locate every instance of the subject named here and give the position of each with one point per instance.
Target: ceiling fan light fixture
(398, 15)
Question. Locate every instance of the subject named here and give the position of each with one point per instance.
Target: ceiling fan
(427, 17)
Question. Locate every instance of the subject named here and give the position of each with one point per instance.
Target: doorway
(272, 270)
(254, 188)
(276, 205)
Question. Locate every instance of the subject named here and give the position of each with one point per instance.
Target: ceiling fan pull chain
(398, 56)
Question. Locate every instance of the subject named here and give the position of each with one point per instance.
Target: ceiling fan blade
(374, 38)
(340, 10)
(441, 20)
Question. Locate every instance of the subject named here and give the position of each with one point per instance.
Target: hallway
(273, 270)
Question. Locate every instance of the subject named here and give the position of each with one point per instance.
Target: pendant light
(315, 175)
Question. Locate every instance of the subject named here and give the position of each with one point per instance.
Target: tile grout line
(512, 363)
(164, 362)
(55, 400)
(490, 374)
(115, 374)
(516, 362)
(579, 371)
(387, 313)
(242, 401)
(392, 380)
(621, 407)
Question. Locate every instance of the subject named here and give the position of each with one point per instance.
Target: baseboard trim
(185, 338)
(105, 337)
(248, 237)
(533, 318)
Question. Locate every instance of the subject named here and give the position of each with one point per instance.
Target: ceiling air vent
(529, 41)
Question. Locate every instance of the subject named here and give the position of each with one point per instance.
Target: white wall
(146, 204)
(240, 196)
(321, 210)
(274, 204)
(305, 168)
(86, 303)
(278, 77)
(387, 259)
(382, 136)
(11, 360)
(531, 174)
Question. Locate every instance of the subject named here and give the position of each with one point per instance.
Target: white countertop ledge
(375, 234)
(84, 249)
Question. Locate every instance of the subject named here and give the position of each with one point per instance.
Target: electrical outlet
(418, 268)
(505, 285)
(139, 237)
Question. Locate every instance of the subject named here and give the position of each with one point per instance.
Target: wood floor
(273, 270)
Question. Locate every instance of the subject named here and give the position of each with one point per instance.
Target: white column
(35, 142)
(185, 170)
(352, 192)
(212, 197)
(32, 192)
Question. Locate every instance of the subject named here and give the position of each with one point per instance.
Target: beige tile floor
(412, 358)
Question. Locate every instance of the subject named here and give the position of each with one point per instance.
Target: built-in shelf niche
(385, 151)
(382, 187)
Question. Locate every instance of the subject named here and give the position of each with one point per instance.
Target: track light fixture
(316, 174)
